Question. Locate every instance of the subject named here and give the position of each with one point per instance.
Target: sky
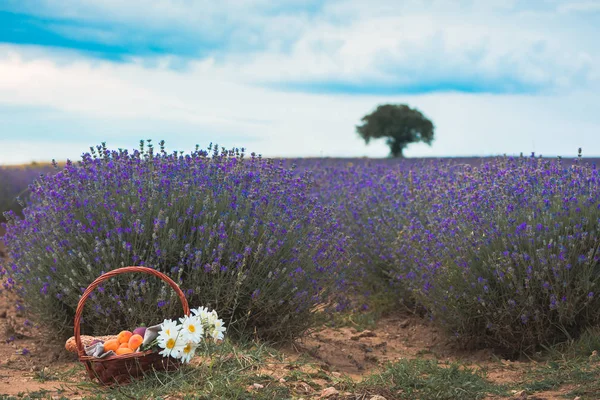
(293, 78)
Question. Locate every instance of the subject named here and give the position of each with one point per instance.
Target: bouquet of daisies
(180, 340)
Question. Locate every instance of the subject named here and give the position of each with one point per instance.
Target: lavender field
(497, 253)
(500, 252)
(14, 184)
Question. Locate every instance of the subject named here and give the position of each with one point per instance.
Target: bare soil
(27, 363)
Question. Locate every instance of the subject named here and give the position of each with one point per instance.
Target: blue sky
(293, 78)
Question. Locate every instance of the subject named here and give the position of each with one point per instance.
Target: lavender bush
(374, 201)
(506, 255)
(240, 235)
(371, 201)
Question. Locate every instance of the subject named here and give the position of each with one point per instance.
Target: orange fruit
(123, 336)
(111, 344)
(135, 341)
(123, 345)
(124, 350)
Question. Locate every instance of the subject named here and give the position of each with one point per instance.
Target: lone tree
(399, 124)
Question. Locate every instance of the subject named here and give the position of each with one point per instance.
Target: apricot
(123, 345)
(135, 341)
(123, 336)
(123, 350)
(111, 344)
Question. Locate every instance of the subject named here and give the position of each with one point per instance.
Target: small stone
(328, 392)
(365, 348)
(377, 397)
(281, 380)
(368, 333)
(405, 323)
(371, 358)
(363, 334)
(305, 387)
(577, 398)
(254, 386)
(520, 394)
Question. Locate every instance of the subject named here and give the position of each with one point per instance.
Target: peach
(135, 341)
(111, 344)
(123, 336)
(123, 350)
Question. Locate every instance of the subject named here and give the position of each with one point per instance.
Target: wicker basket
(119, 369)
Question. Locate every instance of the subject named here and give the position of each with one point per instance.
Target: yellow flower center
(187, 348)
(192, 328)
(170, 343)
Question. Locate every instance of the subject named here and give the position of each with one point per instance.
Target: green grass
(228, 374)
(569, 364)
(232, 371)
(427, 379)
(195, 383)
(573, 373)
(39, 394)
(230, 379)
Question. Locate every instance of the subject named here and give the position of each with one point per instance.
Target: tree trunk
(396, 149)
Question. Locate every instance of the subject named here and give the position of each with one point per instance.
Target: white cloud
(580, 6)
(421, 50)
(491, 46)
(126, 102)
(220, 98)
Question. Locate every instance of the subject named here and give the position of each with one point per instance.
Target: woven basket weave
(119, 369)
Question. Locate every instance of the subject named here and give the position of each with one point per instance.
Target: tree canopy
(399, 124)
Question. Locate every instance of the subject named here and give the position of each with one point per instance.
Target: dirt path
(26, 363)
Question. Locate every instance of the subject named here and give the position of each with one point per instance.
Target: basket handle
(110, 274)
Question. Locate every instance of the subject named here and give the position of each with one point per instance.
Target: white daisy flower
(211, 317)
(192, 328)
(199, 310)
(213, 326)
(188, 350)
(169, 343)
(202, 313)
(168, 327)
(218, 330)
